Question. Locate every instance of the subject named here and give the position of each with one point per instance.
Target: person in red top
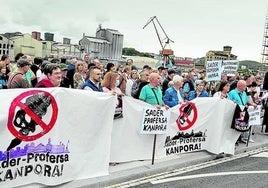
(53, 76)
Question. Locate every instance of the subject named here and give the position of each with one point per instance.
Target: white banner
(54, 135)
(202, 124)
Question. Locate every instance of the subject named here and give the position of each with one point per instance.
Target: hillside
(253, 65)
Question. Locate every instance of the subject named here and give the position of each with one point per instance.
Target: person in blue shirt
(3, 76)
(239, 96)
(199, 92)
(93, 82)
(174, 94)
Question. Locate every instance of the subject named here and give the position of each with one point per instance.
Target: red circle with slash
(17, 102)
(187, 118)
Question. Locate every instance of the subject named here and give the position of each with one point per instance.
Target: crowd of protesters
(157, 86)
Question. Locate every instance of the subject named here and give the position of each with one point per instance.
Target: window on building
(0, 45)
(4, 45)
(1, 38)
(0, 51)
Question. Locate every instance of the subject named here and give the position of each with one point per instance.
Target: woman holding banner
(199, 92)
(223, 90)
(174, 94)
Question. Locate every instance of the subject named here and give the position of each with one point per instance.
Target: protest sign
(154, 121)
(213, 70)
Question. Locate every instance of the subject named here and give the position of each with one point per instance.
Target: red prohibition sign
(45, 127)
(188, 118)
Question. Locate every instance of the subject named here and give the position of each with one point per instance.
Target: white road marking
(207, 175)
(175, 172)
(264, 154)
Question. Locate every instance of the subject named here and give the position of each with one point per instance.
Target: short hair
(86, 55)
(90, 70)
(177, 79)
(50, 67)
(43, 65)
(38, 60)
(247, 76)
(3, 58)
(55, 60)
(18, 56)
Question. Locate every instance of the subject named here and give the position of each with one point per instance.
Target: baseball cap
(63, 67)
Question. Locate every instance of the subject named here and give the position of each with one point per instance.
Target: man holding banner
(239, 96)
(152, 93)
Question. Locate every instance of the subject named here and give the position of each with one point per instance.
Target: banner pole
(154, 149)
(248, 135)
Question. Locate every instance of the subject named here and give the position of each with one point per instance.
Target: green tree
(130, 52)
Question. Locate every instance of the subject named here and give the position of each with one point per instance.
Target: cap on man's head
(4, 57)
(171, 71)
(23, 63)
(63, 67)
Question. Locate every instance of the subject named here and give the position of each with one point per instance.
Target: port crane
(166, 53)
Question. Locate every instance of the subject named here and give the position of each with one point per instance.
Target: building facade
(221, 55)
(107, 45)
(6, 46)
(34, 46)
(26, 44)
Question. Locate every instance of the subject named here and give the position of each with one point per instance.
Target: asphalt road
(240, 171)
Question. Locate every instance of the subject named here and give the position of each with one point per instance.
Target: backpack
(136, 88)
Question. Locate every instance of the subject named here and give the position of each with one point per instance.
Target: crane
(164, 42)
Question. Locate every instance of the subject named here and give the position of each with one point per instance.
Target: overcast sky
(195, 26)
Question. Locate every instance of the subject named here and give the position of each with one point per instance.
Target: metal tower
(264, 54)
(166, 53)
